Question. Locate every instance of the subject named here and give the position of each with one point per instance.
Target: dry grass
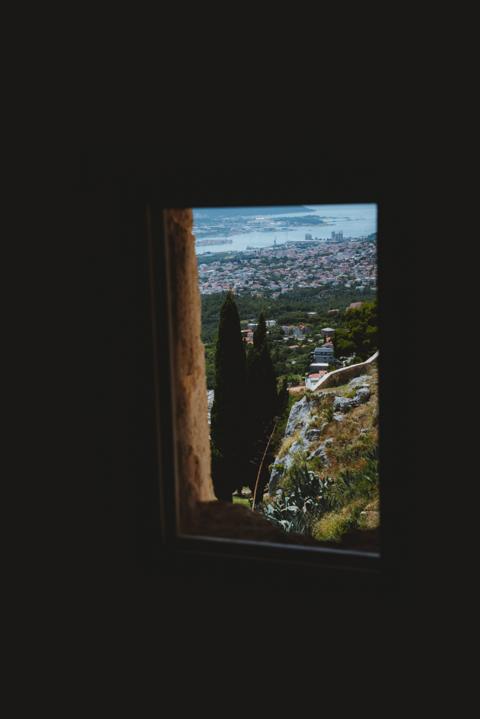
(332, 526)
(350, 459)
(287, 443)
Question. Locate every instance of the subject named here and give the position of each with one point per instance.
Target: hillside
(324, 480)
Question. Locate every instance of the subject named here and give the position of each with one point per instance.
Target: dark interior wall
(119, 443)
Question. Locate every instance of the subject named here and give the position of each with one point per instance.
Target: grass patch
(287, 443)
(332, 526)
(242, 500)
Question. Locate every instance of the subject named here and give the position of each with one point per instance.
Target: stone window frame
(187, 507)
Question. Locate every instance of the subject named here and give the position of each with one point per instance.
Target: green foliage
(302, 501)
(245, 501)
(260, 334)
(262, 399)
(319, 506)
(228, 416)
(355, 483)
(283, 397)
(289, 308)
(355, 330)
(358, 333)
(333, 525)
(278, 437)
(210, 366)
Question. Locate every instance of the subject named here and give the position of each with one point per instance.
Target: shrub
(287, 443)
(300, 501)
(352, 484)
(332, 526)
(329, 412)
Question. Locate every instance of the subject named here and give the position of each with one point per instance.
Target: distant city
(346, 262)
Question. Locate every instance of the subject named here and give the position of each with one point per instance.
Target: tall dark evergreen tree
(262, 396)
(283, 397)
(228, 417)
(260, 334)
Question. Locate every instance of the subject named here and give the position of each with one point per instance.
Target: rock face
(283, 464)
(299, 416)
(363, 394)
(362, 381)
(320, 452)
(312, 434)
(306, 427)
(210, 398)
(299, 419)
(275, 476)
(344, 404)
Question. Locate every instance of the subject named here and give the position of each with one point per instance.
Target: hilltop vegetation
(356, 330)
(288, 308)
(324, 481)
(358, 333)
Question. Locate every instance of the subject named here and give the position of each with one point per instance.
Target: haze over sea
(261, 226)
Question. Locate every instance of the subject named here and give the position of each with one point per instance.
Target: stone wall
(200, 512)
(193, 444)
(344, 374)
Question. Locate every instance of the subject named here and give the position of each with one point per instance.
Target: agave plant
(306, 497)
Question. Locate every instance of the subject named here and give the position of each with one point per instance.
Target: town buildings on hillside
(349, 263)
(322, 357)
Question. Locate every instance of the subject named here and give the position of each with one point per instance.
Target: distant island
(216, 222)
(216, 212)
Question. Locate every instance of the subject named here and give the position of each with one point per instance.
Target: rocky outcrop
(320, 452)
(312, 434)
(299, 416)
(363, 394)
(308, 421)
(362, 381)
(344, 404)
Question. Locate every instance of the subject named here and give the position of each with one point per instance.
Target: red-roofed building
(313, 378)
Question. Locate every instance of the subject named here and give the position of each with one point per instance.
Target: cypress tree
(262, 382)
(260, 334)
(228, 420)
(262, 395)
(283, 397)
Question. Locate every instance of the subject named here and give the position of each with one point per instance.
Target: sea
(358, 220)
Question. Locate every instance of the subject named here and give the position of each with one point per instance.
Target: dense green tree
(283, 397)
(260, 334)
(358, 333)
(343, 343)
(289, 308)
(262, 397)
(228, 417)
(261, 379)
(360, 330)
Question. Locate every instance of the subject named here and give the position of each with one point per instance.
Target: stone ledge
(233, 521)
